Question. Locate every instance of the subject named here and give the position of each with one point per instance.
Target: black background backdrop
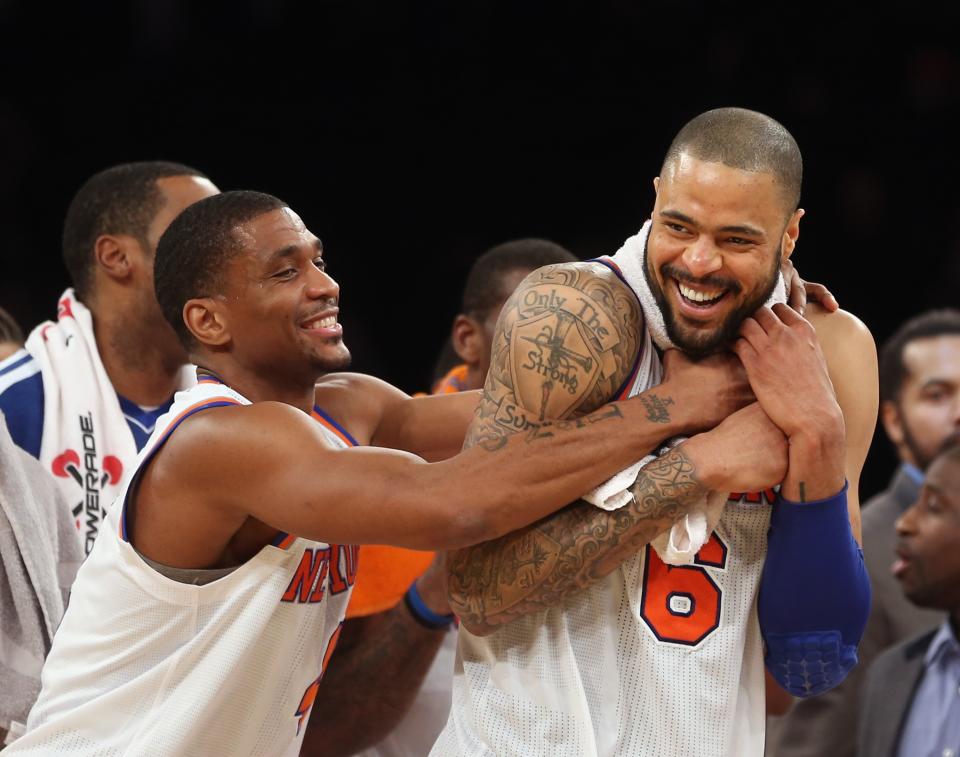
(412, 136)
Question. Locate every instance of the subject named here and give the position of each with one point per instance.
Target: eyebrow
(291, 249)
(749, 231)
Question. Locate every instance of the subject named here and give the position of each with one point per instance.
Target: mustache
(672, 271)
(321, 306)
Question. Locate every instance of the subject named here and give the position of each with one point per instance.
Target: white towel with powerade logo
(87, 444)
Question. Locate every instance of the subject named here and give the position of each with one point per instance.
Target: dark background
(412, 136)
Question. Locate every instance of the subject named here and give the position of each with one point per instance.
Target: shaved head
(742, 139)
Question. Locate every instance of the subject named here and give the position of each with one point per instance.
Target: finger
(767, 320)
(787, 315)
(819, 293)
(749, 356)
(745, 351)
(752, 331)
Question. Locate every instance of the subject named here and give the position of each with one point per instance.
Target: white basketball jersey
(145, 665)
(651, 661)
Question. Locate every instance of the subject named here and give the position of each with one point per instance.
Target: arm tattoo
(656, 407)
(564, 344)
(537, 567)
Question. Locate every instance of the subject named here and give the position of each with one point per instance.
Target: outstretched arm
(542, 328)
(269, 464)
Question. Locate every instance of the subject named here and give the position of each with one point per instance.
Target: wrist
(708, 469)
(424, 614)
(824, 431)
(816, 467)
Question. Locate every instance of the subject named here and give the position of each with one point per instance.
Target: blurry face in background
(716, 240)
(508, 283)
(927, 412)
(928, 549)
(178, 193)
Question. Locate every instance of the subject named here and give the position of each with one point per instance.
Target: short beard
(920, 458)
(333, 364)
(699, 346)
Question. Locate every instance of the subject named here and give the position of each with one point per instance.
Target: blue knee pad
(814, 595)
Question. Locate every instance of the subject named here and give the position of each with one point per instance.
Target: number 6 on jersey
(681, 603)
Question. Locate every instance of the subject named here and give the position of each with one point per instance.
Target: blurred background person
(911, 698)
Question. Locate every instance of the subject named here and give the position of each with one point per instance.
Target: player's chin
(335, 358)
(700, 342)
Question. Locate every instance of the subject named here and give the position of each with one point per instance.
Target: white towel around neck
(679, 545)
(87, 444)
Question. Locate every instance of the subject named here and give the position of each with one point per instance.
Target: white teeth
(323, 323)
(695, 296)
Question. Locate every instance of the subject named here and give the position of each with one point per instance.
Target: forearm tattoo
(656, 407)
(537, 567)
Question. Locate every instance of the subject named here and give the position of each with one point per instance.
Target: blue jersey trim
(22, 401)
(319, 411)
(142, 422)
(14, 361)
(157, 447)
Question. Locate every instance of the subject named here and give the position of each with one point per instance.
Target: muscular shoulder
(588, 291)
(839, 331)
(221, 441)
(566, 341)
(850, 353)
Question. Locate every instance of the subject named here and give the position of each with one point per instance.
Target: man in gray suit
(920, 410)
(911, 701)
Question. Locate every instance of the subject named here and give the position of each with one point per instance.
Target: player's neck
(256, 387)
(143, 364)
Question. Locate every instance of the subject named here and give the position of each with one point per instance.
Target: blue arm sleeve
(814, 595)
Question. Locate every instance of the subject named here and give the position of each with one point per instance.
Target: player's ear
(113, 254)
(206, 320)
(792, 233)
(656, 184)
(467, 339)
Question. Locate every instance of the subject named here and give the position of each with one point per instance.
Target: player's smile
(699, 299)
(323, 324)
